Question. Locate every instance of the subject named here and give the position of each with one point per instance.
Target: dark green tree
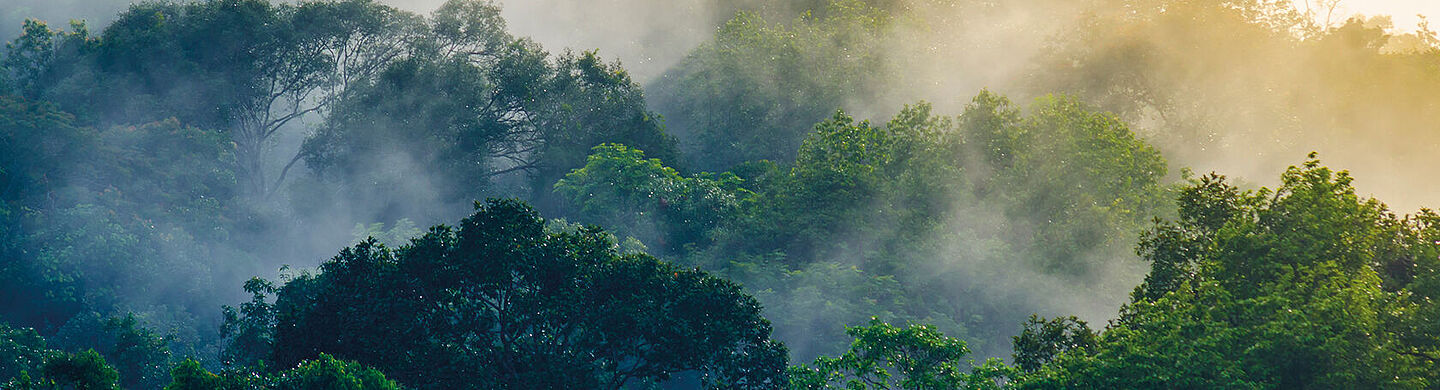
(1042, 340)
(501, 301)
(21, 350)
(63, 371)
(322, 373)
(472, 107)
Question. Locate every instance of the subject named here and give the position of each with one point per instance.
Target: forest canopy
(858, 194)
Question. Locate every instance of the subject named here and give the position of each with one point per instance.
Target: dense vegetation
(783, 209)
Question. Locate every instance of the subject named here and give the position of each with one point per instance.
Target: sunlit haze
(1402, 12)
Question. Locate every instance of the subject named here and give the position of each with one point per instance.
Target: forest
(788, 194)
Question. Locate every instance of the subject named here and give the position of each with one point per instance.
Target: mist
(959, 163)
(945, 50)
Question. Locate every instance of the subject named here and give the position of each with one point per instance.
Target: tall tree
(277, 64)
(474, 106)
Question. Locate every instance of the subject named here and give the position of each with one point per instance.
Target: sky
(1401, 11)
(534, 17)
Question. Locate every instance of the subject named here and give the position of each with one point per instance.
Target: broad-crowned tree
(499, 301)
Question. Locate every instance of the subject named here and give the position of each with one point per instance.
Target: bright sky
(1402, 11)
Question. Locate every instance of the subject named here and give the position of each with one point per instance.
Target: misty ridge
(804, 194)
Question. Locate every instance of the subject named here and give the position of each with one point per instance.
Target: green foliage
(1044, 339)
(854, 179)
(250, 329)
(1263, 289)
(21, 349)
(165, 170)
(588, 103)
(501, 301)
(619, 187)
(92, 217)
(26, 363)
(278, 63)
(190, 375)
(1081, 176)
(38, 140)
(134, 169)
(327, 373)
(139, 354)
(79, 371)
(323, 373)
(884, 356)
(29, 62)
(922, 213)
(160, 60)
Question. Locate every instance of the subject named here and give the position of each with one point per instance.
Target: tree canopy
(499, 301)
(770, 197)
(1306, 285)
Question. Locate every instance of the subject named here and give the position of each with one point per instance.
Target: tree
(500, 301)
(62, 370)
(141, 357)
(1079, 177)
(21, 350)
(190, 375)
(323, 373)
(620, 188)
(249, 329)
(278, 63)
(30, 61)
(884, 356)
(587, 103)
(1268, 288)
(473, 106)
(1043, 340)
(458, 98)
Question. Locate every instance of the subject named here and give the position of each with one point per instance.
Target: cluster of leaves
(620, 188)
(322, 373)
(1304, 286)
(884, 356)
